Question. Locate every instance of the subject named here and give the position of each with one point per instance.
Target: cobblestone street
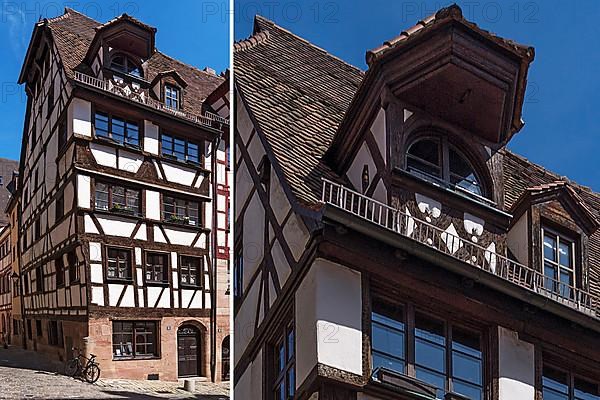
(28, 375)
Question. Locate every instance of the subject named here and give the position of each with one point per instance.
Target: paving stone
(29, 375)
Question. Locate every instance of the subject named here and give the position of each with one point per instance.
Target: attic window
(559, 263)
(434, 159)
(126, 65)
(172, 97)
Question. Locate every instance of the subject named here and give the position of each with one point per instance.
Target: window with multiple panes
(444, 355)
(179, 149)
(126, 65)
(119, 263)
(135, 339)
(559, 263)
(238, 271)
(39, 278)
(62, 134)
(190, 270)
(559, 384)
(284, 365)
(435, 159)
(73, 267)
(60, 206)
(59, 265)
(172, 98)
(38, 328)
(116, 198)
(117, 129)
(157, 268)
(181, 210)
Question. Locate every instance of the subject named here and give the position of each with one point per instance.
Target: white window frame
(558, 237)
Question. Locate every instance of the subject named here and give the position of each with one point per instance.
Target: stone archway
(189, 351)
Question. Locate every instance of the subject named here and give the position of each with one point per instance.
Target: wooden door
(188, 351)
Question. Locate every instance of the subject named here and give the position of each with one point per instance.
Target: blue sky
(563, 96)
(195, 32)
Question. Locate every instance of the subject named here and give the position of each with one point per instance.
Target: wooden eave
(567, 197)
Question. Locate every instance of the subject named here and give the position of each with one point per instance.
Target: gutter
(213, 277)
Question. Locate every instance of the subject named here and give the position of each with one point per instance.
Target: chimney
(210, 71)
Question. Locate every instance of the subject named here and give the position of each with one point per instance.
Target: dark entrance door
(188, 350)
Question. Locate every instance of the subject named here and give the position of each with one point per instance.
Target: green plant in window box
(121, 209)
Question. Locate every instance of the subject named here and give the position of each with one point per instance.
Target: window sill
(134, 358)
(188, 286)
(118, 213)
(119, 280)
(157, 283)
(115, 143)
(186, 163)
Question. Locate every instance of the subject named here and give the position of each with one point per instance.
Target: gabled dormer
(120, 47)
(424, 129)
(168, 87)
(550, 232)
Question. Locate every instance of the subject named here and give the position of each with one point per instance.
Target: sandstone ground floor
(134, 346)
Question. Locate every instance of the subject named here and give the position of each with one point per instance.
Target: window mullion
(445, 159)
(410, 340)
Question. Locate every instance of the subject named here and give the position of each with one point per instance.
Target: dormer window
(434, 159)
(126, 65)
(172, 98)
(559, 263)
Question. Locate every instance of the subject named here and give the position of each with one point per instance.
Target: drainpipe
(213, 277)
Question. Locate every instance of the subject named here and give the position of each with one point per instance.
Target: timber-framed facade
(121, 183)
(388, 245)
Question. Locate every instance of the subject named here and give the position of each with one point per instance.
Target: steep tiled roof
(521, 175)
(73, 33)
(298, 94)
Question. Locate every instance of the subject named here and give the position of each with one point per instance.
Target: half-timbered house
(388, 245)
(118, 175)
(5, 286)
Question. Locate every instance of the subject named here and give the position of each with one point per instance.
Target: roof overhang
(564, 193)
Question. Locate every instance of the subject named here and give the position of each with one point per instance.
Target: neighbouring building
(7, 168)
(388, 245)
(5, 286)
(123, 247)
(12, 209)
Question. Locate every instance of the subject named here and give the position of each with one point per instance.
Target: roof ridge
(188, 65)
(69, 10)
(287, 31)
(251, 41)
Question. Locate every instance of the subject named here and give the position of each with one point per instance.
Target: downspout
(213, 277)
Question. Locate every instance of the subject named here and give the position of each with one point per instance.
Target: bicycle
(90, 371)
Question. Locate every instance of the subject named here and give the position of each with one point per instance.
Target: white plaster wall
(378, 130)
(115, 226)
(180, 236)
(254, 220)
(104, 155)
(129, 161)
(178, 174)
(279, 202)
(356, 168)
(249, 386)
(244, 123)
(84, 192)
(329, 324)
(296, 235)
(243, 186)
(518, 241)
(516, 367)
(244, 321)
(80, 117)
(150, 137)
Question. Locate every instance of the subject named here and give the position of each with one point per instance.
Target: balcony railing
(461, 249)
(135, 93)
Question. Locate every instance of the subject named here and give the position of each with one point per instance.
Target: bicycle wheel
(72, 367)
(92, 373)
